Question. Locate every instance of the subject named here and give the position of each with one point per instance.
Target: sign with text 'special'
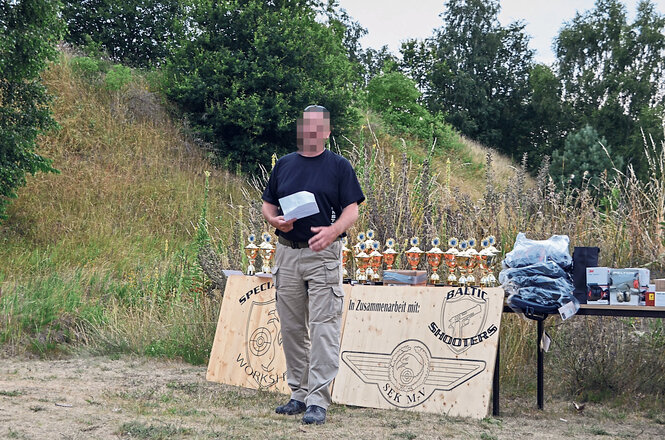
(247, 350)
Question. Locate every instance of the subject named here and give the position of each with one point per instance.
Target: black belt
(293, 244)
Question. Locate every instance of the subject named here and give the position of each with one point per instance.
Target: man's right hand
(270, 211)
(281, 224)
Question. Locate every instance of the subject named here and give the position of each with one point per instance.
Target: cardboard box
(650, 297)
(409, 277)
(625, 286)
(598, 276)
(660, 284)
(660, 299)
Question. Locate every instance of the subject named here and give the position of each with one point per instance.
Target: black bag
(583, 257)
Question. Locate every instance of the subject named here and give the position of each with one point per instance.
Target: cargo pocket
(333, 272)
(336, 301)
(275, 276)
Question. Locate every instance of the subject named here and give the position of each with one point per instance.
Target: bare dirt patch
(105, 398)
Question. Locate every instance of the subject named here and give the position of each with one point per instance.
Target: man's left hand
(325, 235)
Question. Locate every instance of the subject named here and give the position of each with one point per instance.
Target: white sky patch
(392, 21)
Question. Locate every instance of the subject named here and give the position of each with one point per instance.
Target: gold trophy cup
(362, 263)
(471, 263)
(450, 260)
(252, 251)
(434, 257)
(493, 254)
(267, 250)
(389, 254)
(413, 254)
(369, 242)
(462, 258)
(484, 262)
(376, 259)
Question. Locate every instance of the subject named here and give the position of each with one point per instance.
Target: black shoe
(291, 408)
(314, 414)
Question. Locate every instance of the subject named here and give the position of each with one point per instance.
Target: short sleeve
(349, 187)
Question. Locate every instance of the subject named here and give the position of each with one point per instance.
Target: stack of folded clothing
(536, 276)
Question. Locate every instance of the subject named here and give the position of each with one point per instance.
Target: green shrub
(118, 77)
(86, 67)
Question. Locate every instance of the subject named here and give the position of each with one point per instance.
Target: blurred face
(313, 130)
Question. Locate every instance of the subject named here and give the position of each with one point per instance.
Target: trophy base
(440, 285)
(346, 280)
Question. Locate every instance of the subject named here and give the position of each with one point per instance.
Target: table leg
(541, 330)
(495, 383)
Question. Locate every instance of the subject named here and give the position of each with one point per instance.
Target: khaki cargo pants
(309, 303)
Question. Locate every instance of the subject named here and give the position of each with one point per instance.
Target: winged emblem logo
(409, 375)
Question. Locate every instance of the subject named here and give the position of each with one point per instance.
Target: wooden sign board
(430, 349)
(247, 350)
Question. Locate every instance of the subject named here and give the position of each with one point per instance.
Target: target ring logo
(260, 341)
(409, 366)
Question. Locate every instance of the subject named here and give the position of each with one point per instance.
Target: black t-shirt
(328, 176)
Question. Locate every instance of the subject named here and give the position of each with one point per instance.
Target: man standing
(307, 268)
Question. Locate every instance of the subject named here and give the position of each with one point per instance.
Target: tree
(546, 112)
(479, 75)
(373, 61)
(251, 67)
(30, 30)
(584, 151)
(395, 97)
(613, 72)
(417, 61)
(136, 32)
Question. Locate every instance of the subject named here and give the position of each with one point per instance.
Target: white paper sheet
(298, 205)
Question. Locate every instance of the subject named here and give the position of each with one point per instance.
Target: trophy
(252, 251)
(345, 257)
(434, 257)
(413, 254)
(471, 263)
(266, 250)
(389, 254)
(483, 262)
(362, 262)
(449, 258)
(491, 260)
(369, 244)
(376, 258)
(462, 260)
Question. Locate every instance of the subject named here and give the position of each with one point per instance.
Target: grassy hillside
(115, 226)
(128, 182)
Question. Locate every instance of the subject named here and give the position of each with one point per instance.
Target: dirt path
(104, 398)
